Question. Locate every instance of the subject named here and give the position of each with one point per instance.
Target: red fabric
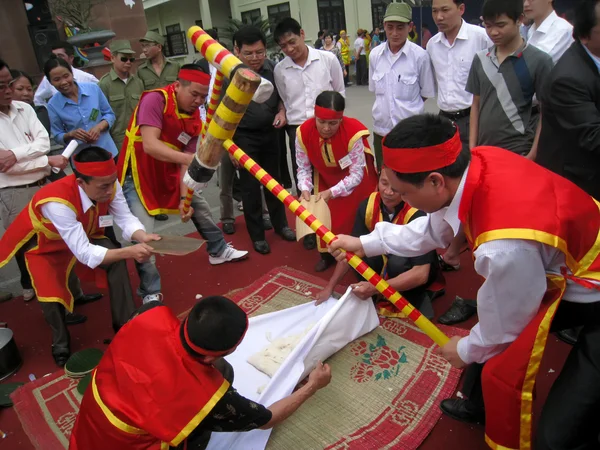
(195, 76)
(148, 381)
(327, 114)
(50, 261)
(424, 159)
(96, 169)
(343, 209)
(158, 182)
(495, 178)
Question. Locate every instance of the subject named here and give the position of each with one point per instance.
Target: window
(332, 16)
(378, 8)
(176, 41)
(249, 17)
(278, 12)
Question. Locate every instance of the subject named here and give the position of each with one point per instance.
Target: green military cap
(121, 46)
(153, 36)
(398, 12)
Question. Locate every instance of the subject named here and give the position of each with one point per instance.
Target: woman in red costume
(335, 160)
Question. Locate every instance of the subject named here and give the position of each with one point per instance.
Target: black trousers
(362, 71)
(121, 299)
(285, 169)
(570, 418)
(347, 76)
(265, 150)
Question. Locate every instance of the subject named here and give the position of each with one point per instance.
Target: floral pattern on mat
(377, 361)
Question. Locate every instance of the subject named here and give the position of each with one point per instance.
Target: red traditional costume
(325, 156)
(502, 200)
(50, 262)
(147, 392)
(156, 182)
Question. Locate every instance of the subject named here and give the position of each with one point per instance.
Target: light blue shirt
(66, 115)
(594, 57)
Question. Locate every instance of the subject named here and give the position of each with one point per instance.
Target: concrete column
(205, 14)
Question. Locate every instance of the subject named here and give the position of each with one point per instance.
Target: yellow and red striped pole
(324, 233)
(214, 52)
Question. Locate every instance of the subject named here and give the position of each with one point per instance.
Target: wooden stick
(358, 264)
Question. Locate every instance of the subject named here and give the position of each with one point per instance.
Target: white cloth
(72, 232)
(299, 87)
(452, 63)
(514, 271)
(554, 36)
(399, 85)
(45, 90)
(338, 322)
(359, 44)
(22, 133)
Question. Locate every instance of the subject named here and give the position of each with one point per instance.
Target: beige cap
(398, 12)
(153, 36)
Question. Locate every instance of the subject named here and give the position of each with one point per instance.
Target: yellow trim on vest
(17, 248)
(594, 252)
(495, 446)
(164, 446)
(327, 154)
(114, 420)
(356, 137)
(370, 210)
(411, 212)
(191, 426)
(39, 227)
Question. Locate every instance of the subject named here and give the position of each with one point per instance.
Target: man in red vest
(160, 143)
(163, 383)
(64, 223)
(535, 241)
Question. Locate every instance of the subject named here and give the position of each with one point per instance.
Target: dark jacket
(570, 138)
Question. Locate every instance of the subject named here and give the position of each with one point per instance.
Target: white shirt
(22, 133)
(45, 90)
(399, 85)
(72, 232)
(359, 44)
(299, 87)
(554, 36)
(452, 64)
(514, 271)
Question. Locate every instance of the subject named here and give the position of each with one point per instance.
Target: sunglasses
(125, 59)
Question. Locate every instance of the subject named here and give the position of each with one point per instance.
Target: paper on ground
(338, 322)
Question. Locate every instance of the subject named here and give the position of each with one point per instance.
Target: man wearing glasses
(122, 88)
(157, 71)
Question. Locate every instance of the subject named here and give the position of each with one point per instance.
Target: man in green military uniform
(156, 71)
(122, 88)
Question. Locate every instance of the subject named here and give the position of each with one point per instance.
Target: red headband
(423, 159)
(195, 76)
(327, 114)
(203, 351)
(96, 169)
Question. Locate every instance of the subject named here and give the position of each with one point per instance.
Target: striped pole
(358, 264)
(215, 53)
(212, 106)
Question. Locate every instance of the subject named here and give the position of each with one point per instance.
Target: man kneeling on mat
(164, 383)
(418, 278)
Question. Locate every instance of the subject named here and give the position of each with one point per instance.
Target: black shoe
(229, 228)
(287, 234)
(570, 335)
(267, 225)
(310, 241)
(161, 217)
(323, 265)
(462, 410)
(89, 298)
(458, 312)
(61, 358)
(74, 318)
(262, 247)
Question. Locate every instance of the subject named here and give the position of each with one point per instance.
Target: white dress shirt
(299, 87)
(400, 82)
(72, 232)
(45, 90)
(359, 44)
(452, 64)
(554, 36)
(514, 271)
(22, 133)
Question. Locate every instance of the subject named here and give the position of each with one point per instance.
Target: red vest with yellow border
(374, 215)
(325, 156)
(156, 182)
(50, 262)
(148, 392)
(509, 197)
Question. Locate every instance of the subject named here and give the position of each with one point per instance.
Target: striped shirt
(506, 94)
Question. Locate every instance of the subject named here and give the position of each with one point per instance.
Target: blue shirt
(91, 108)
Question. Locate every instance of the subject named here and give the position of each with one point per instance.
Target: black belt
(455, 115)
(37, 183)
